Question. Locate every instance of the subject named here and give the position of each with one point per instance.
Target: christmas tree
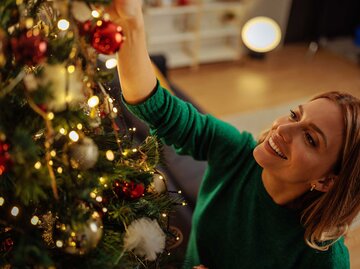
(76, 189)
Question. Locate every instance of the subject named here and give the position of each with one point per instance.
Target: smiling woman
(314, 143)
(257, 200)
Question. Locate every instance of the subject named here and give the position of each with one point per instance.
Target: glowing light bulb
(50, 116)
(95, 14)
(79, 126)
(63, 131)
(15, 211)
(34, 220)
(2, 201)
(94, 227)
(74, 136)
(110, 155)
(53, 153)
(71, 69)
(37, 165)
(111, 63)
(63, 24)
(59, 170)
(93, 101)
(59, 243)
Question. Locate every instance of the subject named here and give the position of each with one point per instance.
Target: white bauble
(80, 11)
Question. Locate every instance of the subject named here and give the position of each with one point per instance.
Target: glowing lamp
(261, 34)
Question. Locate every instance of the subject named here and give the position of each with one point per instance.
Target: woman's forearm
(136, 73)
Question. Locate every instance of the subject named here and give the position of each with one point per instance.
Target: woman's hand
(126, 11)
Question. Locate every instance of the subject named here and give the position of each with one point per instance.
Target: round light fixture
(261, 34)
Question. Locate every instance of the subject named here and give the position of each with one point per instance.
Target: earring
(313, 187)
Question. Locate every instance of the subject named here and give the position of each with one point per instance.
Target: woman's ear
(325, 184)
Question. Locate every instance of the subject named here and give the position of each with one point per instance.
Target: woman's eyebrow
(313, 126)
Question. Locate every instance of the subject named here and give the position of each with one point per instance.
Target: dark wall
(311, 19)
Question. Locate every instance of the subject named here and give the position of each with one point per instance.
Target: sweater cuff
(148, 109)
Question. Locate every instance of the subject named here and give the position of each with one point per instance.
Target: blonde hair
(327, 216)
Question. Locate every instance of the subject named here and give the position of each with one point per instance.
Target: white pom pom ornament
(145, 237)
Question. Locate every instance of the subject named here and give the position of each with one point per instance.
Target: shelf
(173, 10)
(170, 38)
(220, 32)
(221, 6)
(202, 32)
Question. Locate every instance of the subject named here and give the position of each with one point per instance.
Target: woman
(284, 202)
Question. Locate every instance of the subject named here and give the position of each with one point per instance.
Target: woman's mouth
(276, 149)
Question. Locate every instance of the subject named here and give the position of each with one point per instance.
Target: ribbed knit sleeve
(179, 123)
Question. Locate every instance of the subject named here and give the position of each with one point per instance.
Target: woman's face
(304, 145)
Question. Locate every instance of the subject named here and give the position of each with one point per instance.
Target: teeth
(276, 148)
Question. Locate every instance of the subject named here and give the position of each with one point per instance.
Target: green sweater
(236, 224)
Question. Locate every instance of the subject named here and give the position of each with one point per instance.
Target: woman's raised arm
(136, 73)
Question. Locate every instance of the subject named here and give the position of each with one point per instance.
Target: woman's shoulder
(336, 257)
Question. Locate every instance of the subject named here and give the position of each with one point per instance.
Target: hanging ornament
(107, 37)
(80, 11)
(3, 46)
(5, 158)
(145, 237)
(158, 185)
(83, 154)
(79, 239)
(29, 48)
(128, 190)
(65, 88)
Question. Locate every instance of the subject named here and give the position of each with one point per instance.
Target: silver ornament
(83, 154)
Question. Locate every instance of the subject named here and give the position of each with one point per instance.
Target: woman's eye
(293, 115)
(310, 140)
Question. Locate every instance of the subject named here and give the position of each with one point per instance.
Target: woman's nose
(286, 131)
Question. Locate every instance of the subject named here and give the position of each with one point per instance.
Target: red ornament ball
(107, 37)
(29, 48)
(129, 190)
(5, 159)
